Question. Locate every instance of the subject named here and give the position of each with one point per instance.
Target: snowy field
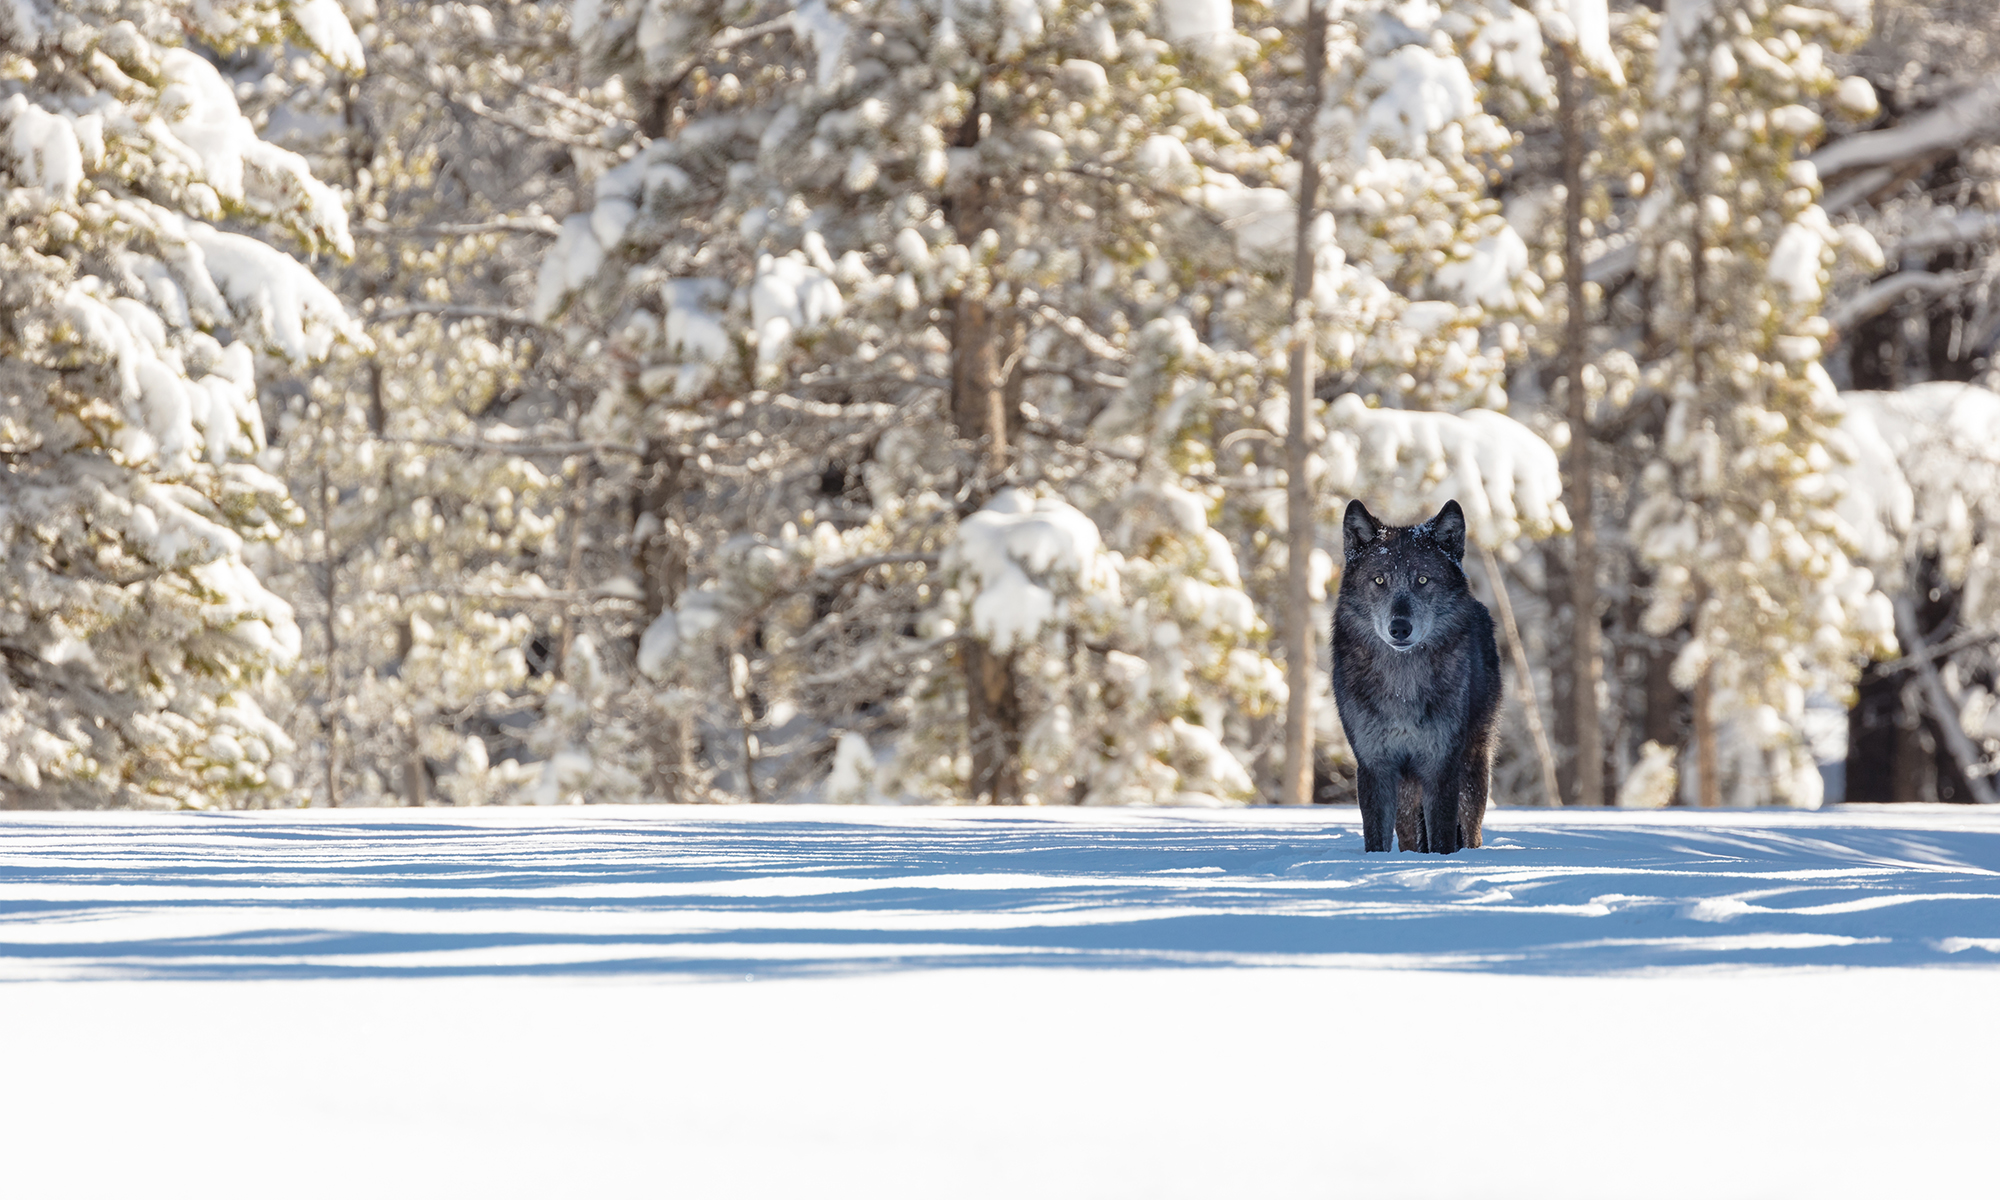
(793, 1002)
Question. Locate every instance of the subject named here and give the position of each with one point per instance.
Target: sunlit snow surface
(729, 891)
(793, 1002)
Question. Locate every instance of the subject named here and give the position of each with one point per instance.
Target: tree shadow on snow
(205, 898)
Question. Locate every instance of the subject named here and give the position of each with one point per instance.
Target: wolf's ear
(1361, 528)
(1447, 530)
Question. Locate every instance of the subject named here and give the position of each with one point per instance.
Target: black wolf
(1417, 678)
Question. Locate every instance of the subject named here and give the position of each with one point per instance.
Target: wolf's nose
(1399, 628)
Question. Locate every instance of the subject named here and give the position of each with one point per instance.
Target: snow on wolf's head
(1405, 580)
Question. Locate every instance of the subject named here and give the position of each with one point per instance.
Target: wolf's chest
(1409, 701)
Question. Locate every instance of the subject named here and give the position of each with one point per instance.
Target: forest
(954, 401)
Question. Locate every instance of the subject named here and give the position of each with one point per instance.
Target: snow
(790, 295)
(325, 25)
(1421, 93)
(1264, 221)
(826, 34)
(1510, 42)
(658, 645)
(277, 300)
(569, 265)
(201, 125)
(776, 1002)
(1197, 22)
(1406, 464)
(1488, 275)
(1014, 555)
(852, 779)
(44, 147)
(1920, 461)
(1856, 96)
(1684, 20)
(1590, 33)
(1797, 262)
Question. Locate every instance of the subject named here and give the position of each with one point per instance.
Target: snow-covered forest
(954, 400)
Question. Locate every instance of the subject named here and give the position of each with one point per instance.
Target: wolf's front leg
(1378, 805)
(1441, 809)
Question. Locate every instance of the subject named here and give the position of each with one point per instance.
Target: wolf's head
(1405, 581)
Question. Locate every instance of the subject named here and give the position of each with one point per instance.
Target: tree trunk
(1708, 772)
(993, 724)
(1531, 705)
(1586, 657)
(981, 343)
(661, 562)
(329, 713)
(1708, 777)
(1296, 786)
(416, 776)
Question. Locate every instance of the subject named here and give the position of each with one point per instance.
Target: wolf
(1417, 678)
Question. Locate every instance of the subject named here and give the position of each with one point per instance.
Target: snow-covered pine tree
(1738, 514)
(436, 469)
(137, 641)
(877, 263)
(1922, 504)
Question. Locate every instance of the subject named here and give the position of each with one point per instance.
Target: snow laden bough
(1407, 464)
(137, 638)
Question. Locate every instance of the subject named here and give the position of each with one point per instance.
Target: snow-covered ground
(794, 1002)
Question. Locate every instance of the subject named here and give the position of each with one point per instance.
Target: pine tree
(886, 264)
(440, 471)
(139, 644)
(1738, 519)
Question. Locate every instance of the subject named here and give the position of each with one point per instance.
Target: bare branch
(461, 312)
(543, 228)
(523, 449)
(1884, 294)
(1084, 335)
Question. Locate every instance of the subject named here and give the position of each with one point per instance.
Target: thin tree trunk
(1296, 785)
(1708, 772)
(993, 724)
(416, 777)
(1531, 704)
(981, 342)
(661, 562)
(739, 685)
(1586, 656)
(1964, 754)
(1708, 778)
(329, 713)
(979, 408)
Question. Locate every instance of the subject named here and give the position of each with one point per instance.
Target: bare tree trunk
(416, 777)
(1708, 774)
(993, 724)
(739, 686)
(979, 407)
(660, 559)
(981, 343)
(1296, 785)
(329, 712)
(1586, 656)
(1531, 704)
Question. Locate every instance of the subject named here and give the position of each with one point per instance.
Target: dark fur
(1420, 715)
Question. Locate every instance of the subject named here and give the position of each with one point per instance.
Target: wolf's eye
(1423, 579)
(1380, 580)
